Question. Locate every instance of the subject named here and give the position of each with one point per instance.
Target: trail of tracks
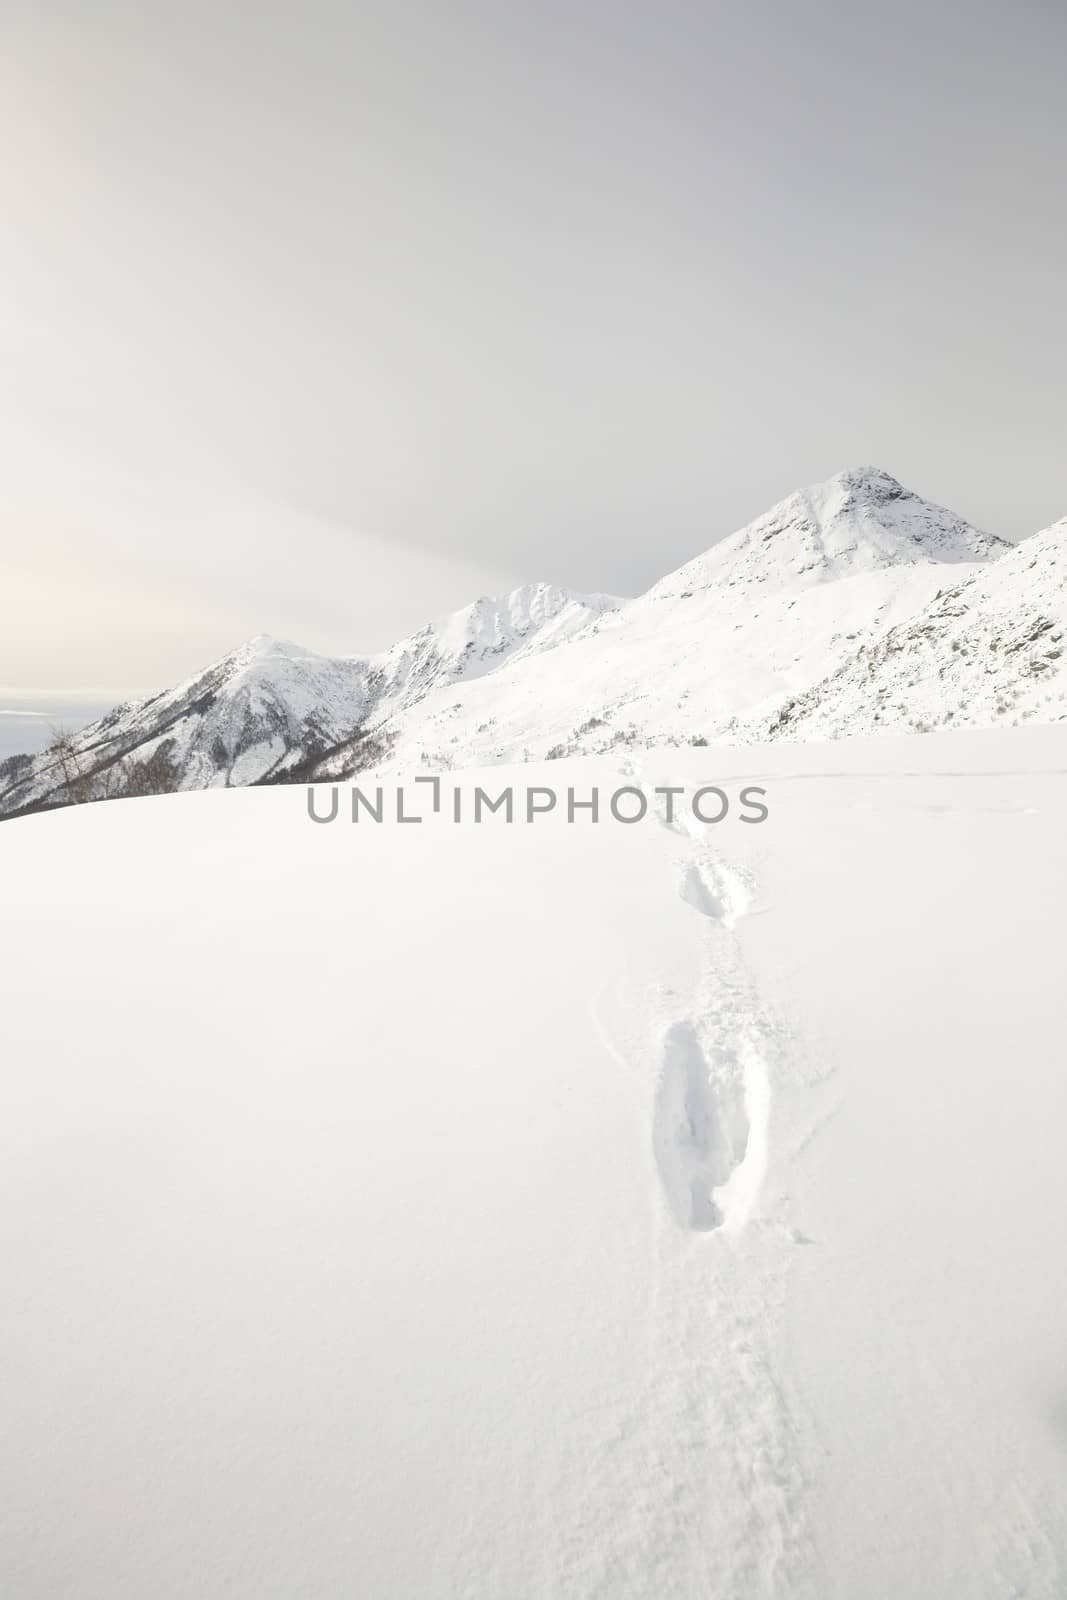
(705, 1459)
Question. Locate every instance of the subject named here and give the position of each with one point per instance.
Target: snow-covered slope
(229, 724)
(630, 1212)
(727, 647)
(710, 651)
(861, 520)
(987, 650)
(478, 640)
(272, 708)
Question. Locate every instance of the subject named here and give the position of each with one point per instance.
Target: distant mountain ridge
(270, 710)
(850, 605)
(711, 651)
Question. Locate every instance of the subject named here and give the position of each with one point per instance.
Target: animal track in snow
(700, 1127)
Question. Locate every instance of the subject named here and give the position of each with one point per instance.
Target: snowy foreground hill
(549, 1209)
(851, 606)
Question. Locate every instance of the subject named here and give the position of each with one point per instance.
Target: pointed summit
(860, 520)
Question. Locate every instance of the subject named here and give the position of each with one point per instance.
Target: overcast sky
(321, 318)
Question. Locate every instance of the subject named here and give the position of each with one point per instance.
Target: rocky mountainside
(850, 606)
(272, 711)
(987, 650)
(713, 650)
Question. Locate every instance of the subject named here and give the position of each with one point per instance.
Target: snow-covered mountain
(271, 709)
(714, 648)
(987, 650)
(861, 520)
(851, 605)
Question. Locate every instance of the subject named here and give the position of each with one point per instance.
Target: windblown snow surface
(543, 1210)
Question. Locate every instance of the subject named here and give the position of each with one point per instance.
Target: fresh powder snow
(544, 1209)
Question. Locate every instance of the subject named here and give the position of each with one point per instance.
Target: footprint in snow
(700, 1128)
(715, 891)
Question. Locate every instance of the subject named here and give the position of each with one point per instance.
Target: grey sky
(321, 318)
